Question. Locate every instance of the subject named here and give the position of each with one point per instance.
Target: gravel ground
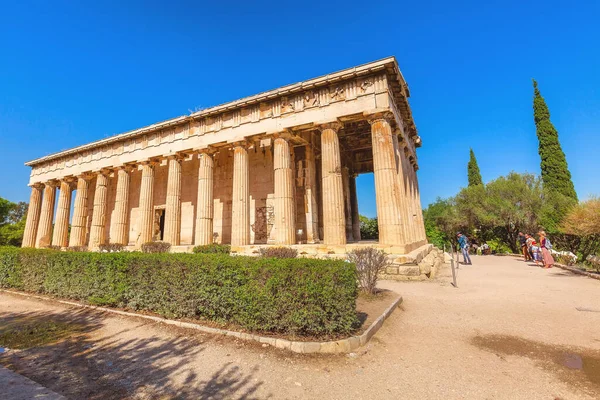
(509, 331)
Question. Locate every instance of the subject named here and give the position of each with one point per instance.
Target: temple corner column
(33, 215)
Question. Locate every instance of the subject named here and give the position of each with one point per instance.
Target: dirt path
(510, 331)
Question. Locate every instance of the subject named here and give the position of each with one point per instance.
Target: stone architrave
(146, 206)
(204, 203)
(44, 233)
(33, 216)
(334, 221)
(79, 221)
(60, 236)
(98, 228)
(347, 203)
(310, 197)
(354, 209)
(285, 212)
(240, 206)
(119, 233)
(173, 207)
(387, 188)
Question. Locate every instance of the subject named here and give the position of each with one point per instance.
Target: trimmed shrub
(212, 249)
(156, 247)
(53, 247)
(370, 262)
(293, 296)
(111, 247)
(77, 248)
(278, 252)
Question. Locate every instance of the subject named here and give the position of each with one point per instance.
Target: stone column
(79, 222)
(98, 229)
(387, 187)
(173, 208)
(334, 222)
(146, 205)
(44, 233)
(60, 236)
(310, 197)
(403, 182)
(33, 216)
(412, 224)
(204, 203)
(284, 210)
(419, 208)
(119, 232)
(354, 209)
(240, 207)
(347, 203)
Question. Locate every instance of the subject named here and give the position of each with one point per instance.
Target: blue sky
(71, 74)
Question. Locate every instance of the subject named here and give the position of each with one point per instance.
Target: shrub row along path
(510, 331)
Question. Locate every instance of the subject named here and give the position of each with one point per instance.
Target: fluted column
(403, 169)
(334, 222)
(310, 197)
(387, 187)
(98, 228)
(412, 223)
(240, 207)
(204, 203)
(347, 203)
(146, 205)
(44, 233)
(420, 223)
(60, 237)
(33, 216)
(354, 209)
(173, 208)
(284, 212)
(119, 232)
(79, 222)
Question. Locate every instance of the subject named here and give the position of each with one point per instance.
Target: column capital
(36, 185)
(387, 116)
(334, 125)
(285, 135)
(152, 162)
(241, 143)
(127, 167)
(52, 183)
(209, 150)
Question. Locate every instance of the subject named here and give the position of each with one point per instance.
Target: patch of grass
(24, 335)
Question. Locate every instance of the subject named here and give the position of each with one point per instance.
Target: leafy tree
(583, 223)
(473, 170)
(369, 228)
(12, 222)
(555, 172)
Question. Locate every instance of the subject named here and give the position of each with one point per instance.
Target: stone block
(391, 270)
(409, 270)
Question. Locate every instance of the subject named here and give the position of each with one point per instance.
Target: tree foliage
(12, 222)
(473, 170)
(555, 172)
(369, 228)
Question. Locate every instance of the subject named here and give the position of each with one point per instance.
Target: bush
(53, 247)
(278, 252)
(370, 262)
(212, 249)
(156, 247)
(294, 296)
(112, 247)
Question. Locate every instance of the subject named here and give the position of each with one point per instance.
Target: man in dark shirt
(523, 242)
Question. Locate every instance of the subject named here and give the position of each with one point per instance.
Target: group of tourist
(536, 251)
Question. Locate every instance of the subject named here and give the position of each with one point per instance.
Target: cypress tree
(555, 172)
(473, 171)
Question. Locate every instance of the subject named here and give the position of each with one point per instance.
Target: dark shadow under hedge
(292, 296)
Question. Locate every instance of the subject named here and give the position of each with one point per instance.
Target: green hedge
(294, 296)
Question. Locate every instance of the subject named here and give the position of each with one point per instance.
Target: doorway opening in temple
(159, 224)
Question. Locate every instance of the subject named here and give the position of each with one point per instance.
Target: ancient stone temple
(276, 168)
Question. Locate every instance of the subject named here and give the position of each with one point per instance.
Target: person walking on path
(545, 245)
(523, 242)
(463, 243)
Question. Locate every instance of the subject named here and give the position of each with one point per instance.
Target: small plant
(278, 252)
(77, 248)
(156, 247)
(212, 249)
(111, 247)
(370, 262)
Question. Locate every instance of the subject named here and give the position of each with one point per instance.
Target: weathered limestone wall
(261, 193)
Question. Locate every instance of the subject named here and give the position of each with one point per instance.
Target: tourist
(523, 243)
(529, 242)
(545, 247)
(463, 243)
(485, 249)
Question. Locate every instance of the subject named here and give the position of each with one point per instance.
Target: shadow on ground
(72, 362)
(578, 367)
